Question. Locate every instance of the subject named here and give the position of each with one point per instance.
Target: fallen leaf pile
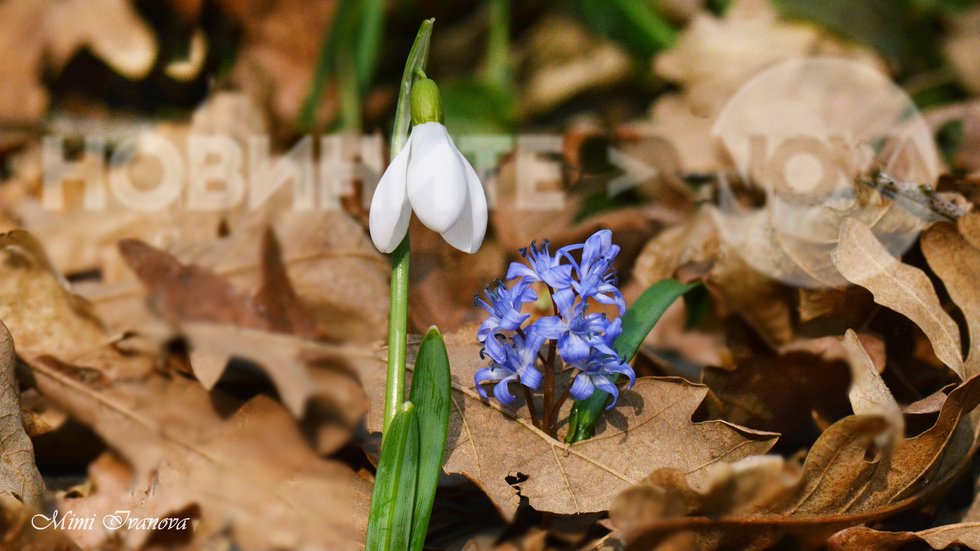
(215, 379)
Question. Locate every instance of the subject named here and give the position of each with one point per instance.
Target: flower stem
(529, 398)
(552, 417)
(397, 331)
(398, 316)
(549, 383)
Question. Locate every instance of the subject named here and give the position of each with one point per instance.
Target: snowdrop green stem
(397, 332)
(398, 317)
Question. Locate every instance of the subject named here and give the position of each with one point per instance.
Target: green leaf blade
(432, 395)
(638, 321)
(393, 500)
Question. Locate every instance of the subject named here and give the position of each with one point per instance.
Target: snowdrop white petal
(467, 234)
(390, 208)
(436, 179)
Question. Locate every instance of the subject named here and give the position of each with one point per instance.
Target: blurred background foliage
(501, 65)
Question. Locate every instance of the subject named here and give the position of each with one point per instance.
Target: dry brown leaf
(19, 477)
(40, 310)
(962, 47)
(841, 463)
(762, 301)
(868, 394)
(332, 265)
(793, 390)
(241, 468)
(287, 361)
(20, 534)
(649, 428)
(957, 263)
(279, 53)
(45, 35)
(862, 259)
(714, 56)
(861, 538)
(969, 226)
(564, 59)
(196, 294)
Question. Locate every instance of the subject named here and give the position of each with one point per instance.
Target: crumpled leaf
(649, 428)
(248, 472)
(957, 263)
(955, 536)
(868, 394)
(46, 34)
(844, 461)
(193, 293)
(862, 259)
(40, 310)
(19, 477)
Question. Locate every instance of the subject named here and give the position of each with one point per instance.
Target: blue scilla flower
(577, 332)
(596, 278)
(599, 369)
(543, 266)
(517, 361)
(505, 308)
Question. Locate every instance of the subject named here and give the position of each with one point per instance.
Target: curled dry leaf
(845, 461)
(868, 394)
(243, 469)
(19, 477)
(192, 293)
(38, 306)
(957, 263)
(650, 428)
(48, 320)
(863, 260)
(951, 536)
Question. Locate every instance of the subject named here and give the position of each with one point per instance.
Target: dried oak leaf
(650, 428)
(951, 536)
(847, 480)
(268, 327)
(957, 263)
(19, 477)
(38, 306)
(45, 35)
(239, 468)
(863, 260)
(192, 293)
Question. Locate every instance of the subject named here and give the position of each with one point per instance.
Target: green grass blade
(432, 395)
(372, 24)
(393, 500)
(326, 67)
(638, 320)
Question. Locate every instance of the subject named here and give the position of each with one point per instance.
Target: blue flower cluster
(584, 340)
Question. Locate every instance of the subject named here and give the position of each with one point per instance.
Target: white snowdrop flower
(430, 176)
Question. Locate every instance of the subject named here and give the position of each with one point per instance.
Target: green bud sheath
(426, 102)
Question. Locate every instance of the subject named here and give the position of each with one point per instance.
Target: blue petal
(550, 327)
(486, 374)
(596, 245)
(605, 384)
(496, 350)
(518, 269)
(526, 295)
(616, 298)
(559, 277)
(573, 347)
(582, 387)
(512, 320)
(530, 377)
(502, 393)
(486, 328)
(564, 300)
